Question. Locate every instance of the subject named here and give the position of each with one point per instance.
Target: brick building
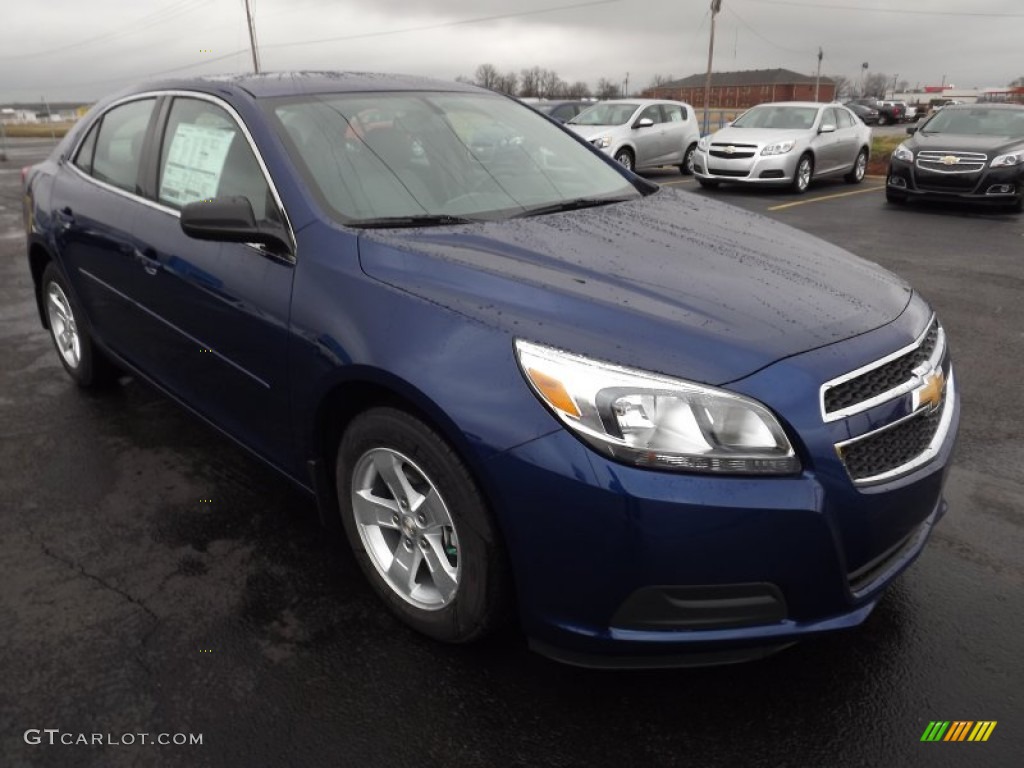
(740, 90)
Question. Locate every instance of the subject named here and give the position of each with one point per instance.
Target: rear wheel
(687, 166)
(860, 167)
(420, 529)
(72, 335)
(804, 174)
(624, 157)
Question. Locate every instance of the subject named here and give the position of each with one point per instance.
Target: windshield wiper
(420, 220)
(569, 205)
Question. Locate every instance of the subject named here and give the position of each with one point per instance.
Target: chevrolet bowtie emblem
(730, 149)
(930, 394)
(950, 160)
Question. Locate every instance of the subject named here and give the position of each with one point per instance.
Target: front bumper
(992, 186)
(759, 169)
(611, 560)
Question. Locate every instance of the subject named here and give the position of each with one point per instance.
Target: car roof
(983, 105)
(271, 84)
(640, 102)
(797, 104)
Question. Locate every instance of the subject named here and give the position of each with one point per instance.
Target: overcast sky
(76, 50)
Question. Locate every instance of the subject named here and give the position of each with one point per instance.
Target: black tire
(896, 198)
(626, 159)
(94, 369)
(860, 167)
(799, 185)
(483, 598)
(708, 183)
(686, 168)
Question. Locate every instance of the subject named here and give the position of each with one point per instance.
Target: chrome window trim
(922, 458)
(902, 389)
(167, 209)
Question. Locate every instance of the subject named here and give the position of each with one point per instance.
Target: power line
(443, 24)
(875, 9)
(172, 11)
(762, 37)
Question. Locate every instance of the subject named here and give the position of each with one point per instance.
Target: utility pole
(252, 37)
(863, 71)
(625, 88)
(894, 84)
(817, 80)
(716, 6)
(49, 119)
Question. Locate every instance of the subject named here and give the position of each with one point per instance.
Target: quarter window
(204, 155)
(118, 150)
(85, 152)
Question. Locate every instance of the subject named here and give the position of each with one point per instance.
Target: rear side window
(118, 150)
(85, 152)
(204, 155)
(846, 120)
(674, 113)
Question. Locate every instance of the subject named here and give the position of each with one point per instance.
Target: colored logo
(958, 730)
(950, 160)
(930, 394)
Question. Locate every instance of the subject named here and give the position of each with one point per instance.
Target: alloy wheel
(406, 528)
(63, 326)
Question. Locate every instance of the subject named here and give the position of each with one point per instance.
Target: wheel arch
(38, 257)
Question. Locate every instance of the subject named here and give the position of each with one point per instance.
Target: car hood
(674, 283)
(589, 132)
(963, 143)
(758, 135)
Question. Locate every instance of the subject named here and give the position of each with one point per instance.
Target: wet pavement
(155, 579)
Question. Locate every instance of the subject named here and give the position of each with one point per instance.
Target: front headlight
(704, 143)
(778, 148)
(656, 421)
(602, 142)
(902, 153)
(1004, 161)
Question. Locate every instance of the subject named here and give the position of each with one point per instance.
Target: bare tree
(529, 82)
(844, 88)
(487, 76)
(507, 83)
(551, 85)
(904, 86)
(578, 90)
(606, 89)
(875, 84)
(659, 80)
(1017, 83)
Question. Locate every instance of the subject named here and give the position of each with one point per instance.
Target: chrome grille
(892, 447)
(739, 151)
(951, 162)
(884, 379)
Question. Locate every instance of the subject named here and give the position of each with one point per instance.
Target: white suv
(641, 133)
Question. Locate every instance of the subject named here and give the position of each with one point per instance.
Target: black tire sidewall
(626, 153)
(481, 602)
(684, 168)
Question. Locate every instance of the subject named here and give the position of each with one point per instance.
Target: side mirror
(911, 130)
(230, 220)
(643, 122)
(827, 128)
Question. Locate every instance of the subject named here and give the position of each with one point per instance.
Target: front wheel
(420, 529)
(687, 165)
(72, 335)
(625, 158)
(860, 167)
(803, 175)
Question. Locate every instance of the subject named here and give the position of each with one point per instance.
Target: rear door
(96, 200)
(224, 306)
(677, 132)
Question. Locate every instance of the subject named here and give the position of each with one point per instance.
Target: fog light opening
(1001, 189)
(896, 181)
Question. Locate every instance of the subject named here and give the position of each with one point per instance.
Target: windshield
(373, 156)
(605, 114)
(794, 118)
(977, 122)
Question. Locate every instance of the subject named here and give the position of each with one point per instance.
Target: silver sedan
(789, 143)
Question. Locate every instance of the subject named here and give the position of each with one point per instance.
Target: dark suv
(888, 111)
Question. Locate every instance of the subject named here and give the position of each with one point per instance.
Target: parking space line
(674, 183)
(824, 197)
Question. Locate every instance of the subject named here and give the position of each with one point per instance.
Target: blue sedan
(659, 429)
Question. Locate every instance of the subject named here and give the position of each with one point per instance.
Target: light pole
(716, 6)
(817, 79)
(252, 38)
(863, 72)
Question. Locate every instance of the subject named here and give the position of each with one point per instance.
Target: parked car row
(523, 380)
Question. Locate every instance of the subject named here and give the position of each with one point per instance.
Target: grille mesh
(892, 448)
(883, 378)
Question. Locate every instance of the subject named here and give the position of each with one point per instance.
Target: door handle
(149, 260)
(66, 217)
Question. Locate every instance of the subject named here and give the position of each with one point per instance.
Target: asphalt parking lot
(154, 578)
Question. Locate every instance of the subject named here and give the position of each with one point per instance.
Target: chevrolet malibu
(786, 143)
(658, 429)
